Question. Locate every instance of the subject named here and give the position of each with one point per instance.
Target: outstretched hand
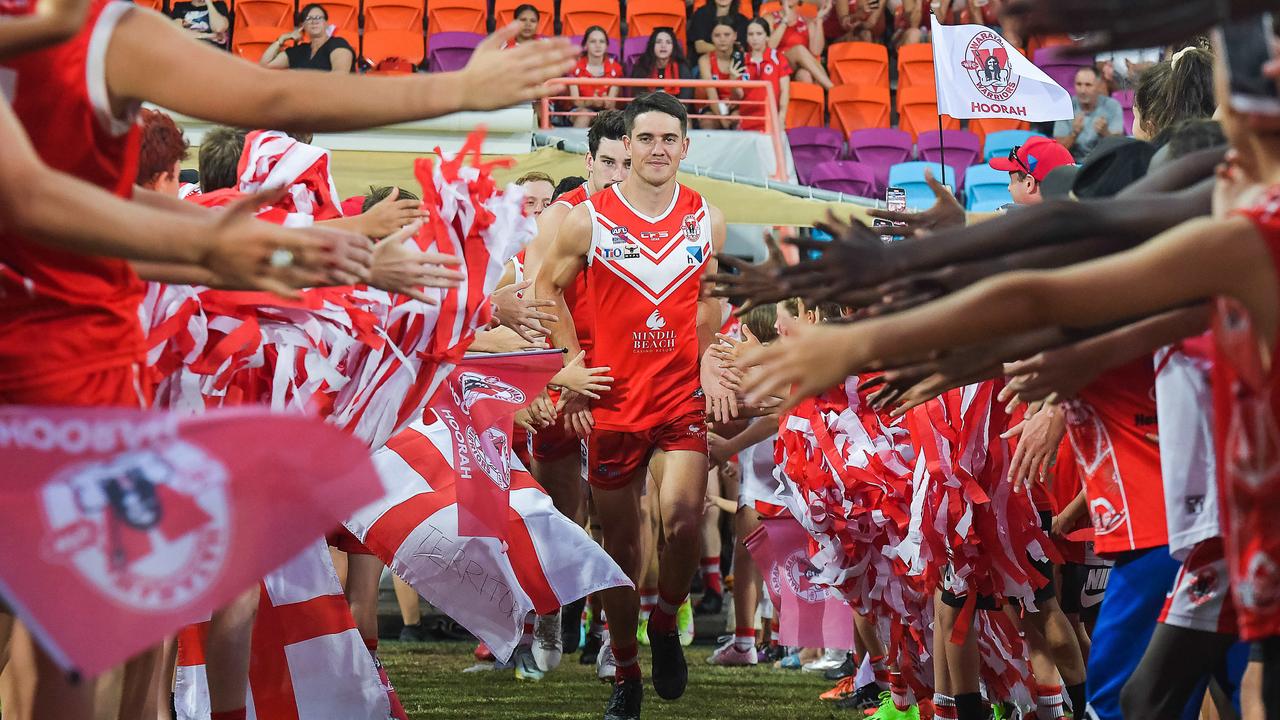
(583, 380)
(854, 260)
(495, 78)
(519, 310)
(751, 284)
(399, 268)
(945, 212)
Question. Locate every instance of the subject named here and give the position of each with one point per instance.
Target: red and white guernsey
(575, 296)
(644, 275)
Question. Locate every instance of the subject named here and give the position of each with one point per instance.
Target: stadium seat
(986, 187)
(854, 107)
(345, 16)
(998, 144)
(632, 48)
(985, 126)
(910, 177)
(881, 148)
(915, 65)
(1062, 66)
(807, 107)
(644, 17)
(813, 145)
(744, 7)
(160, 6)
(463, 16)
(844, 176)
(504, 11)
(578, 15)
(393, 28)
(449, 51)
(251, 42)
(918, 110)
(1125, 98)
(274, 14)
(960, 148)
(859, 63)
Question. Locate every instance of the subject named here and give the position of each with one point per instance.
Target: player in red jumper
(643, 245)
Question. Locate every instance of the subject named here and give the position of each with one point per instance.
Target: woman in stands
(315, 47)
(764, 63)
(704, 21)
(663, 59)
(724, 62)
(800, 40)
(596, 62)
(528, 17)
(1174, 90)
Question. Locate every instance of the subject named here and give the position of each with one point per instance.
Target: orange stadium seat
(918, 110)
(277, 15)
(806, 106)
(470, 16)
(858, 63)
(855, 107)
(250, 42)
(345, 16)
(504, 11)
(744, 8)
(982, 126)
(643, 17)
(393, 28)
(578, 15)
(915, 65)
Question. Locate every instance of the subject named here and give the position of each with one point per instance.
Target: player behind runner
(643, 246)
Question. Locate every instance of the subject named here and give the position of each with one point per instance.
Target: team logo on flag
(691, 229)
(987, 62)
(491, 453)
(798, 573)
(477, 387)
(149, 528)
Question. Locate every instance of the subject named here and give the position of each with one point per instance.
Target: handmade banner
(478, 402)
(487, 585)
(809, 615)
(150, 521)
(980, 75)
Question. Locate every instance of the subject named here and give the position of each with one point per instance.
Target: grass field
(430, 681)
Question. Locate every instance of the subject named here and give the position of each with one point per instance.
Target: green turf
(432, 686)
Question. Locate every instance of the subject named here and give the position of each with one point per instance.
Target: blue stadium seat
(999, 143)
(985, 185)
(910, 177)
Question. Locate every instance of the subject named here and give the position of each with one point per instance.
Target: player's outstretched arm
(566, 258)
(219, 87)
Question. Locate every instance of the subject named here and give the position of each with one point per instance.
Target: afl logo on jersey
(619, 235)
(691, 229)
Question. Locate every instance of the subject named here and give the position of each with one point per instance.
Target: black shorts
(988, 602)
(1083, 585)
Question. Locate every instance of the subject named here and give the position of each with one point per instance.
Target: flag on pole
(809, 615)
(980, 75)
(485, 584)
(158, 517)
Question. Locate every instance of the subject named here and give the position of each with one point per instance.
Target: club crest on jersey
(148, 528)
(692, 231)
(476, 387)
(491, 453)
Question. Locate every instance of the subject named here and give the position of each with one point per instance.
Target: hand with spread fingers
(585, 381)
(543, 411)
(804, 361)
(390, 215)
(946, 212)
(721, 402)
(519, 310)
(727, 351)
(575, 411)
(400, 268)
(1041, 434)
(519, 74)
(852, 262)
(1053, 375)
(751, 284)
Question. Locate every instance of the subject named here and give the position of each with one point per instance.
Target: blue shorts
(1136, 591)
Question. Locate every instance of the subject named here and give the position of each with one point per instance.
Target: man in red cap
(1029, 164)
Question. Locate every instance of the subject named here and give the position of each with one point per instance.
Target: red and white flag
(809, 615)
(273, 159)
(980, 75)
(158, 517)
(486, 584)
(479, 400)
(308, 661)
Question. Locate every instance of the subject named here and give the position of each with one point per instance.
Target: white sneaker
(729, 654)
(548, 642)
(832, 658)
(605, 667)
(526, 667)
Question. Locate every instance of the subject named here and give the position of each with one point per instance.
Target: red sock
(648, 598)
(663, 617)
(1049, 703)
(626, 660)
(240, 714)
(744, 638)
(898, 688)
(944, 707)
(711, 573)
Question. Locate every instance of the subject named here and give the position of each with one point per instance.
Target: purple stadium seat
(1125, 98)
(632, 48)
(961, 149)
(845, 176)
(1061, 65)
(615, 47)
(880, 149)
(813, 145)
(449, 51)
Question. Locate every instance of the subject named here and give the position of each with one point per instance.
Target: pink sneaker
(728, 654)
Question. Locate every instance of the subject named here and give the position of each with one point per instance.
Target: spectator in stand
(1096, 116)
(163, 150)
(704, 21)
(724, 62)
(315, 47)
(528, 17)
(539, 187)
(1028, 165)
(855, 20)
(1174, 90)
(663, 59)
(910, 22)
(765, 63)
(596, 62)
(801, 42)
(205, 20)
(219, 158)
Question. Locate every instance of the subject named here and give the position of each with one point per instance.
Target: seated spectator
(528, 17)
(910, 22)
(724, 62)
(764, 63)
(1173, 91)
(1028, 165)
(855, 20)
(663, 59)
(800, 40)
(538, 189)
(163, 148)
(315, 46)
(205, 20)
(1096, 116)
(704, 21)
(598, 63)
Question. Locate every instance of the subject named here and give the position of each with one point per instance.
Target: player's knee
(684, 528)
